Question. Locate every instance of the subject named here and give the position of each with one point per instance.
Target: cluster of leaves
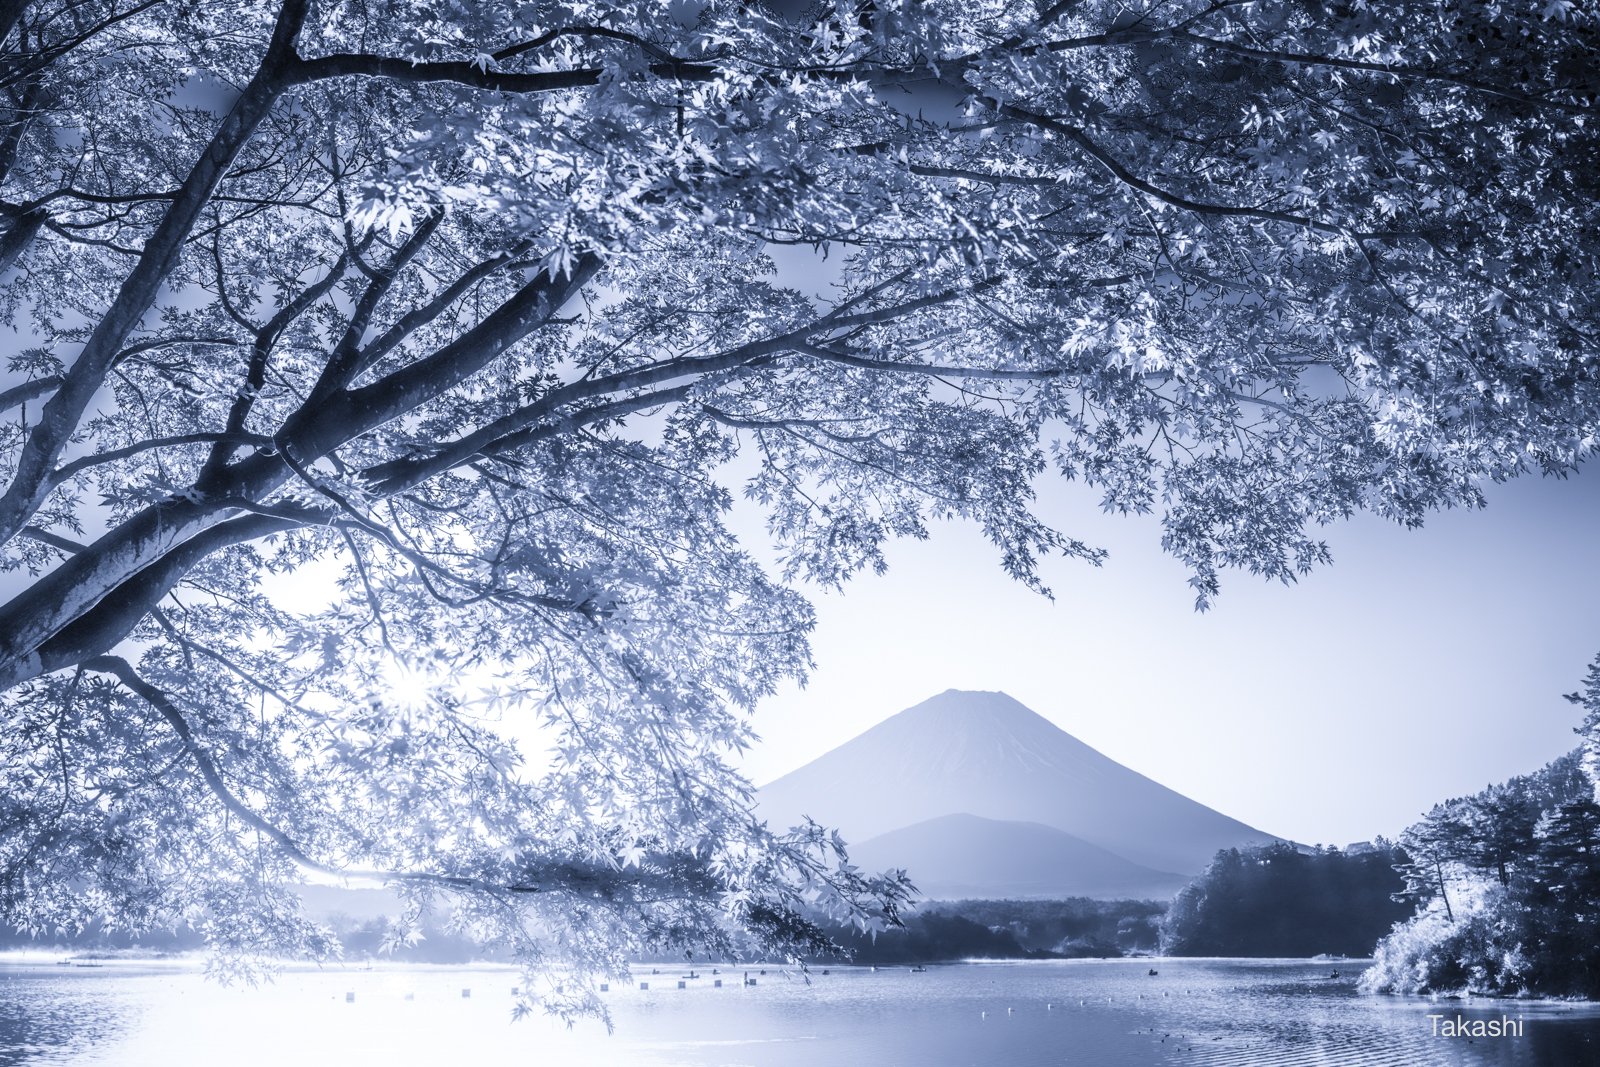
(1277, 900)
(386, 362)
(1507, 883)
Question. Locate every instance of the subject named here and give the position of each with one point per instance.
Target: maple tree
(381, 364)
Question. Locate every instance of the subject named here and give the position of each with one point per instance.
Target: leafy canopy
(458, 312)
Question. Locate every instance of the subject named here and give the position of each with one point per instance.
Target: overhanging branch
(661, 877)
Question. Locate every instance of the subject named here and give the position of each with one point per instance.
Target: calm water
(1096, 1013)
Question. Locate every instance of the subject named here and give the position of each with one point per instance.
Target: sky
(1420, 665)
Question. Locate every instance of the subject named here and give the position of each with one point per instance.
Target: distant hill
(958, 856)
(985, 754)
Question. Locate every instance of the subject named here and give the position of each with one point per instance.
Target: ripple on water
(1208, 1013)
(49, 1017)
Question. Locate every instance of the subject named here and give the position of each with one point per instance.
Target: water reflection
(50, 1017)
(1102, 1013)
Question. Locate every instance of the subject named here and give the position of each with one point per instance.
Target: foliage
(426, 941)
(1077, 927)
(1531, 936)
(1439, 951)
(383, 363)
(1511, 898)
(1277, 900)
(929, 936)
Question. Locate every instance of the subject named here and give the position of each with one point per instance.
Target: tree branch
(99, 458)
(848, 359)
(54, 540)
(348, 65)
(1394, 70)
(339, 370)
(59, 419)
(26, 391)
(660, 877)
(316, 429)
(260, 351)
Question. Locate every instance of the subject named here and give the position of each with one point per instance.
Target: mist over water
(1106, 1013)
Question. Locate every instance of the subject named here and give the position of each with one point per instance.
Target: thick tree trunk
(92, 600)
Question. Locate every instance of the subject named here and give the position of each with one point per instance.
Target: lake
(1100, 1013)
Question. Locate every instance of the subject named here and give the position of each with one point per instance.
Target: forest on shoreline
(1506, 886)
(1283, 900)
(1493, 893)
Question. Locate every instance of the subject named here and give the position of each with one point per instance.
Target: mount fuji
(976, 795)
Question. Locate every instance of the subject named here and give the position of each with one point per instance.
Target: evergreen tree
(1525, 856)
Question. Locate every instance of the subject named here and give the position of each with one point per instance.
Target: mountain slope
(957, 856)
(985, 754)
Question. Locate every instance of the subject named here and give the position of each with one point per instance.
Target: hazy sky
(1422, 664)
